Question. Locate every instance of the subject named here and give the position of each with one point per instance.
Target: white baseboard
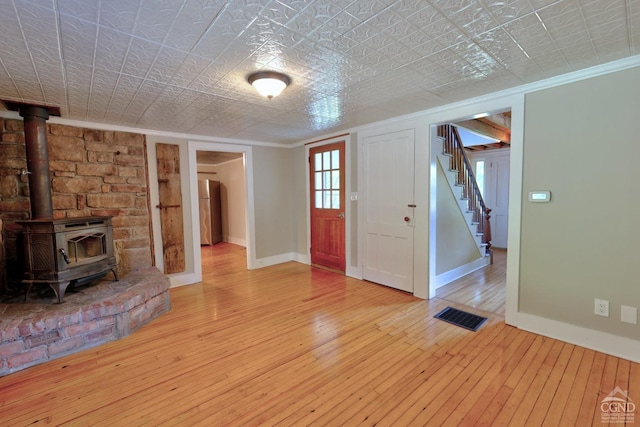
(302, 258)
(236, 241)
(604, 342)
(183, 279)
(463, 270)
(273, 260)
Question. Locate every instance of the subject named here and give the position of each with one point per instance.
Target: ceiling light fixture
(269, 83)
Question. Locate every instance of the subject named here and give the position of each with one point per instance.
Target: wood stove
(63, 251)
(57, 251)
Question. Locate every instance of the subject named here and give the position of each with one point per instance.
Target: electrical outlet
(602, 307)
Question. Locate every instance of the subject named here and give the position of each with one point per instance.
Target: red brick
(110, 200)
(92, 169)
(100, 157)
(137, 243)
(130, 221)
(57, 129)
(8, 186)
(25, 329)
(13, 125)
(129, 139)
(76, 185)
(115, 180)
(121, 234)
(108, 212)
(127, 188)
(15, 164)
(15, 206)
(12, 150)
(105, 147)
(93, 135)
(129, 160)
(9, 331)
(66, 345)
(13, 137)
(62, 166)
(11, 348)
(64, 201)
(66, 148)
(139, 181)
(82, 328)
(78, 214)
(129, 171)
(28, 358)
(107, 320)
(99, 334)
(136, 151)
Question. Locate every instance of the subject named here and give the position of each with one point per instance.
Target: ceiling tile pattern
(181, 65)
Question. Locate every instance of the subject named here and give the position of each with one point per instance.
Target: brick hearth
(36, 333)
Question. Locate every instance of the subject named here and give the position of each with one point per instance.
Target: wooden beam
(486, 129)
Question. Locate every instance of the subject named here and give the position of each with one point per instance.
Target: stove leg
(27, 296)
(59, 289)
(115, 275)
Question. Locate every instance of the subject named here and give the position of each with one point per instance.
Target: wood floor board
(295, 345)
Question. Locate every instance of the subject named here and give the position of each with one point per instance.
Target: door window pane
(335, 200)
(326, 179)
(318, 200)
(335, 180)
(326, 202)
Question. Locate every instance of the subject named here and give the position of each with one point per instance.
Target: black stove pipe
(35, 133)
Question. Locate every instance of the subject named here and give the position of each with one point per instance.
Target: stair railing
(465, 178)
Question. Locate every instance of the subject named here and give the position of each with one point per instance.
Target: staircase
(463, 183)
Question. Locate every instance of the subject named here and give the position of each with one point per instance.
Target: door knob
(341, 215)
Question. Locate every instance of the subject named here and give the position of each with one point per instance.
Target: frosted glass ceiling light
(269, 83)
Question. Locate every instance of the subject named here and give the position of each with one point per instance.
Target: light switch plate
(629, 314)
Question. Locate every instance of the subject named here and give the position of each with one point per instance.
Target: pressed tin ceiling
(181, 65)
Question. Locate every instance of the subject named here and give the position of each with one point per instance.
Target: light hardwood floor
(294, 346)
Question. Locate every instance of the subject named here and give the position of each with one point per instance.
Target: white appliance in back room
(210, 212)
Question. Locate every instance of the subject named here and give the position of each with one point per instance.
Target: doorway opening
(222, 206)
(231, 166)
(460, 272)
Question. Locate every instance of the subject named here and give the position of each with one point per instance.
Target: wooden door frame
(349, 269)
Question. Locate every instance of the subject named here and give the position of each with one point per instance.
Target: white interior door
(388, 196)
(496, 193)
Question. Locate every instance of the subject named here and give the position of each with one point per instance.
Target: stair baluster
(459, 163)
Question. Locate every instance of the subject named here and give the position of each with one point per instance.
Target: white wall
(233, 198)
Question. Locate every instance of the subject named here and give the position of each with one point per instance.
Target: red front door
(327, 206)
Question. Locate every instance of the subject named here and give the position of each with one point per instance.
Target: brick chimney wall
(93, 173)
